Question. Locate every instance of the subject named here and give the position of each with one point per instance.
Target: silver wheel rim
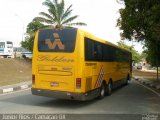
(102, 91)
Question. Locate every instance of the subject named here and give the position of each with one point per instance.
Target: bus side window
(112, 53)
(97, 51)
(122, 56)
(119, 55)
(93, 50)
(89, 49)
(106, 53)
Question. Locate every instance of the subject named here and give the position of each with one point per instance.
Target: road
(131, 99)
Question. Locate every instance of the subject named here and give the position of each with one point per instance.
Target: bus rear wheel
(127, 79)
(102, 91)
(109, 88)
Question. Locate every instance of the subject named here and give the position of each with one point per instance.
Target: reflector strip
(100, 77)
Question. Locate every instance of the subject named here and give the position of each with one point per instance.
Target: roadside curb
(148, 83)
(15, 87)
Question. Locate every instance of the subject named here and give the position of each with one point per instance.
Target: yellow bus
(72, 64)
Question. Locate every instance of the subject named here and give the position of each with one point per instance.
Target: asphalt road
(128, 100)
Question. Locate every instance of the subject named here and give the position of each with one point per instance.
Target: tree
(152, 52)
(140, 20)
(135, 55)
(57, 16)
(32, 27)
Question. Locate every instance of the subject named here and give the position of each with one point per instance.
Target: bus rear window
(57, 40)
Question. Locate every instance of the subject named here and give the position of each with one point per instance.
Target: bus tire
(109, 88)
(102, 93)
(127, 79)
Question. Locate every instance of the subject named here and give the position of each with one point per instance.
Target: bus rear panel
(55, 64)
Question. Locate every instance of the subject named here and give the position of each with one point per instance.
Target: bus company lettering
(54, 59)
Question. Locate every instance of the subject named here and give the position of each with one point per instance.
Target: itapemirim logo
(56, 42)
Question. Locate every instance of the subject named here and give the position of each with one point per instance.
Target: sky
(100, 16)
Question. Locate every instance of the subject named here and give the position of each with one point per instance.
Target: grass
(14, 71)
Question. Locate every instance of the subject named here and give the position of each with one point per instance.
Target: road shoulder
(155, 85)
(15, 87)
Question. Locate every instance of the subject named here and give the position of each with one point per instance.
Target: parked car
(27, 55)
(139, 66)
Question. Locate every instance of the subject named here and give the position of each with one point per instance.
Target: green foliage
(140, 20)
(135, 55)
(57, 15)
(153, 53)
(144, 55)
(32, 27)
(28, 43)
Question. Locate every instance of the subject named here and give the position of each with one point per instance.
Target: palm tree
(58, 17)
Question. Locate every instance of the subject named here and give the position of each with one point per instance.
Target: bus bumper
(66, 95)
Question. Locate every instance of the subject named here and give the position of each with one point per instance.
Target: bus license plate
(54, 84)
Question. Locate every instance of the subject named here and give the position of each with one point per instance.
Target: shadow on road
(26, 98)
(129, 99)
(31, 100)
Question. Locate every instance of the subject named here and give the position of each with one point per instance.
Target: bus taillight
(33, 79)
(78, 83)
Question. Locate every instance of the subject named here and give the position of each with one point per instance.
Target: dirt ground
(14, 71)
(144, 74)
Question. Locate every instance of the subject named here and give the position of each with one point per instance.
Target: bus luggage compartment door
(56, 78)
